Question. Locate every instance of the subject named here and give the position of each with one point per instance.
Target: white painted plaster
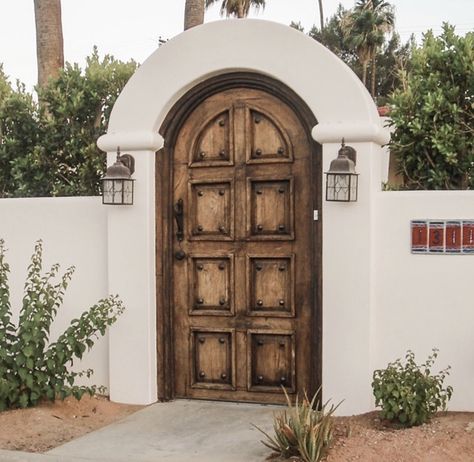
(73, 231)
(424, 301)
(131, 263)
(342, 107)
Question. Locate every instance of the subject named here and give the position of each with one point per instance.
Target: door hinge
(315, 215)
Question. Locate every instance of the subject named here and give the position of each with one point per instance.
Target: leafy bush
(32, 368)
(432, 113)
(49, 149)
(410, 394)
(302, 430)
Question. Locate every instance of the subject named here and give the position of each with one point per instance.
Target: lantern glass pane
(118, 188)
(128, 192)
(107, 191)
(353, 188)
(341, 187)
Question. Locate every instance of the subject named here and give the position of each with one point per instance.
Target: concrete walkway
(180, 431)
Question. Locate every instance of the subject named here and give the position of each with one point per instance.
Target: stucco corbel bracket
(131, 141)
(351, 132)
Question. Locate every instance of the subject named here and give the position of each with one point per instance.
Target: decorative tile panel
(454, 237)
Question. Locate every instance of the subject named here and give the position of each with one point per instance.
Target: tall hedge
(49, 148)
(432, 113)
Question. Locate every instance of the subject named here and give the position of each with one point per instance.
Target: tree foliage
(390, 54)
(237, 8)
(50, 149)
(433, 114)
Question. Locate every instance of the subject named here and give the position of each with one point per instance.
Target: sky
(131, 28)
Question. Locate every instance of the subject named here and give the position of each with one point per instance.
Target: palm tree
(193, 13)
(49, 39)
(365, 28)
(238, 8)
(321, 14)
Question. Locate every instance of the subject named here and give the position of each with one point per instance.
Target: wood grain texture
(222, 122)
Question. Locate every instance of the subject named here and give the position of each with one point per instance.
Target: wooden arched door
(243, 273)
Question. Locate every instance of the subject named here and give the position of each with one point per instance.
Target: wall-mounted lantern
(342, 179)
(117, 184)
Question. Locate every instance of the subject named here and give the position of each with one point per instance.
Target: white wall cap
(320, 78)
(351, 132)
(140, 140)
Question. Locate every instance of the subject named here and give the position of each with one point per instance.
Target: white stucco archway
(342, 107)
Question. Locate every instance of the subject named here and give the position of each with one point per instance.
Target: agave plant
(303, 429)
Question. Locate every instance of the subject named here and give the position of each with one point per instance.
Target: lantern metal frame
(342, 181)
(117, 184)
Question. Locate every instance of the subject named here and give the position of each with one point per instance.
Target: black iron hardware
(202, 340)
(260, 378)
(222, 340)
(179, 217)
(199, 228)
(259, 302)
(281, 151)
(202, 374)
(222, 301)
(281, 228)
(259, 191)
(222, 229)
(221, 122)
(179, 255)
(283, 379)
(200, 193)
(282, 344)
(200, 267)
(202, 154)
(282, 302)
(222, 153)
(222, 266)
(259, 228)
(281, 190)
(200, 301)
(282, 268)
(260, 342)
(257, 120)
(259, 267)
(221, 192)
(223, 376)
(258, 152)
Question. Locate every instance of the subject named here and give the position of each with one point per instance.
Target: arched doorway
(238, 182)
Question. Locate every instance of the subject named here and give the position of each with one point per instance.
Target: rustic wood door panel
(243, 285)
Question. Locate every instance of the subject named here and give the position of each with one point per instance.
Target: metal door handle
(179, 217)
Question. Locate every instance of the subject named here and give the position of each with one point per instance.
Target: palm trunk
(364, 72)
(193, 13)
(49, 39)
(240, 11)
(374, 66)
(321, 14)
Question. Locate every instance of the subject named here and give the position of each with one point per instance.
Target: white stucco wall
(73, 231)
(424, 301)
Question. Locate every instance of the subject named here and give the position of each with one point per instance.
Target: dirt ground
(449, 437)
(52, 424)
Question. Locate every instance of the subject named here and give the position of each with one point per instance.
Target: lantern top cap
(122, 169)
(343, 164)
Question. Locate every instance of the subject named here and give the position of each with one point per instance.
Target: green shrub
(432, 114)
(410, 394)
(302, 430)
(49, 149)
(31, 367)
